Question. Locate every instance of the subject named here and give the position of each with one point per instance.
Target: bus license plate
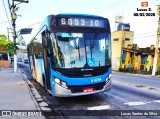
(87, 90)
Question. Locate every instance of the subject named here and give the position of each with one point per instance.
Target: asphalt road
(129, 92)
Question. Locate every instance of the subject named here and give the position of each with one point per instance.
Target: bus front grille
(78, 89)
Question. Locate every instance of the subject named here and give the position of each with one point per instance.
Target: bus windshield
(79, 50)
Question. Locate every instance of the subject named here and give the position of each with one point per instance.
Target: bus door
(32, 62)
(46, 61)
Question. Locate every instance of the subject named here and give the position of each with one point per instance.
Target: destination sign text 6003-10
(81, 22)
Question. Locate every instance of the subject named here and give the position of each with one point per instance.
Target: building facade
(120, 39)
(128, 56)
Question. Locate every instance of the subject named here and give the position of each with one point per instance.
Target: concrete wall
(4, 59)
(4, 63)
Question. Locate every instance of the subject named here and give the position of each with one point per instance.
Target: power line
(6, 13)
(9, 6)
(135, 38)
(33, 24)
(144, 36)
(3, 22)
(24, 8)
(108, 6)
(146, 33)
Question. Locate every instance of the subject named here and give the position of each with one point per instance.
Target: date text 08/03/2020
(144, 14)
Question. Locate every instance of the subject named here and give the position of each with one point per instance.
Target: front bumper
(63, 92)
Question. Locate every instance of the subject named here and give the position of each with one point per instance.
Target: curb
(39, 102)
(31, 94)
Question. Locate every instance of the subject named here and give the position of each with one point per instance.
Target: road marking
(135, 103)
(104, 107)
(158, 101)
(141, 103)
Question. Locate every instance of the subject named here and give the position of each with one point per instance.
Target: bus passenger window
(54, 53)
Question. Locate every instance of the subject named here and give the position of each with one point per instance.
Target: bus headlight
(106, 79)
(61, 83)
(57, 81)
(110, 76)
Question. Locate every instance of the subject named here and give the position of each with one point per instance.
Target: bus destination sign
(81, 22)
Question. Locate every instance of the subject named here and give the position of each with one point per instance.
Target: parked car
(19, 59)
(26, 61)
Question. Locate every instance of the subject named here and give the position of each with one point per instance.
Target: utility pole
(157, 44)
(14, 17)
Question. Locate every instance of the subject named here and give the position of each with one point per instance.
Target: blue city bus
(70, 55)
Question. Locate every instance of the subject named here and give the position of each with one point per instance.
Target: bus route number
(81, 22)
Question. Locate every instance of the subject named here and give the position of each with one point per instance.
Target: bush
(121, 70)
(129, 68)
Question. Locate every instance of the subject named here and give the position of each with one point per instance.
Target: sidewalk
(157, 76)
(15, 93)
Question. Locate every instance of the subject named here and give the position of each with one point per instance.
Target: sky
(33, 13)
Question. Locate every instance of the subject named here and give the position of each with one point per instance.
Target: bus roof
(80, 15)
(46, 22)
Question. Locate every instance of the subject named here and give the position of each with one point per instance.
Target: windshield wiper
(76, 46)
(92, 43)
(91, 48)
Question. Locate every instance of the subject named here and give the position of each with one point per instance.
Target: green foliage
(3, 37)
(11, 49)
(21, 41)
(129, 67)
(132, 59)
(9, 44)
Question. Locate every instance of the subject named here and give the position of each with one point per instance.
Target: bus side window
(53, 50)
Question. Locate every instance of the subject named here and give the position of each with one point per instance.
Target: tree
(7, 44)
(3, 37)
(21, 41)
